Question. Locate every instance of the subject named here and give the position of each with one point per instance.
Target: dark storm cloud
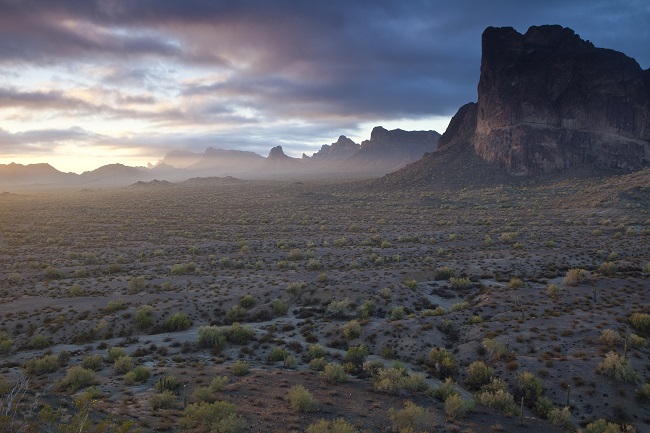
(334, 63)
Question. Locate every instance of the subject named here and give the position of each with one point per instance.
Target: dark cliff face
(547, 100)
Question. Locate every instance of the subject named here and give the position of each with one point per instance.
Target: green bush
(460, 283)
(497, 349)
(313, 265)
(239, 334)
(39, 342)
(314, 351)
(367, 309)
(239, 368)
(641, 323)
(77, 377)
(445, 390)
(123, 365)
(495, 395)
(203, 394)
(318, 364)
(234, 314)
(217, 417)
(334, 373)
(219, 383)
(397, 313)
(182, 269)
(637, 341)
(295, 288)
(478, 374)
(6, 344)
(139, 374)
(279, 307)
(301, 399)
(530, 387)
(456, 407)
(136, 285)
(115, 306)
(92, 362)
(412, 418)
(576, 276)
(608, 268)
(553, 290)
(398, 380)
(144, 317)
(167, 383)
(352, 330)
(356, 354)
(443, 362)
(42, 365)
(609, 338)
(516, 283)
(444, 273)
(164, 400)
(602, 426)
(212, 337)
(247, 302)
(618, 367)
(339, 425)
(178, 322)
(277, 354)
(643, 393)
(52, 273)
(560, 417)
(114, 353)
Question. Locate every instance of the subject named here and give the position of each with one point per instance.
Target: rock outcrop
(547, 101)
(395, 148)
(342, 149)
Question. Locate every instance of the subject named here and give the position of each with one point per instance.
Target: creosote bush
(76, 378)
(602, 426)
(456, 407)
(178, 322)
(217, 417)
(339, 425)
(576, 276)
(301, 399)
(239, 368)
(144, 318)
(334, 373)
(478, 374)
(412, 418)
(641, 323)
(618, 367)
(443, 363)
(163, 400)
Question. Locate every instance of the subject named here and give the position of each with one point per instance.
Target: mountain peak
(277, 153)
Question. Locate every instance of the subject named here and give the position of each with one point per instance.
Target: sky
(85, 83)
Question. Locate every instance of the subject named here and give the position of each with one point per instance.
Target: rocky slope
(548, 100)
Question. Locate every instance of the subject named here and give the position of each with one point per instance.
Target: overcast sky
(84, 83)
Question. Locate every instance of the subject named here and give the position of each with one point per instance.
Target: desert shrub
(618, 367)
(334, 373)
(367, 309)
(397, 313)
(530, 387)
(218, 417)
(301, 399)
(182, 269)
(495, 395)
(641, 323)
(92, 362)
(114, 353)
(338, 309)
(212, 337)
(411, 284)
(646, 268)
(76, 378)
(115, 306)
(609, 337)
(576, 276)
(443, 391)
(497, 349)
(456, 407)
(443, 362)
(397, 380)
(139, 374)
(643, 393)
(277, 354)
(144, 317)
(14, 278)
(39, 342)
(351, 330)
(602, 426)
(339, 425)
(314, 351)
(234, 314)
(113, 268)
(42, 365)
(239, 334)
(239, 368)
(163, 400)
(560, 417)
(313, 265)
(412, 418)
(136, 284)
(247, 301)
(295, 288)
(516, 283)
(52, 273)
(295, 255)
(203, 394)
(178, 322)
(478, 374)
(459, 306)
(444, 273)
(219, 383)
(167, 383)
(356, 354)
(475, 319)
(123, 365)
(6, 344)
(318, 364)
(608, 268)
(460, 283)
(279, 307)
(543, 406)
(637, 341)
(553, 290)
(508, 237)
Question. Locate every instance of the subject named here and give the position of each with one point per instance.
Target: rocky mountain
(226, 161)
(395, 148)
(343, 148)
(33, 174)
(547, 101)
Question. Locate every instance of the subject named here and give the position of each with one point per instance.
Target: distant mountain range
(384, 152)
